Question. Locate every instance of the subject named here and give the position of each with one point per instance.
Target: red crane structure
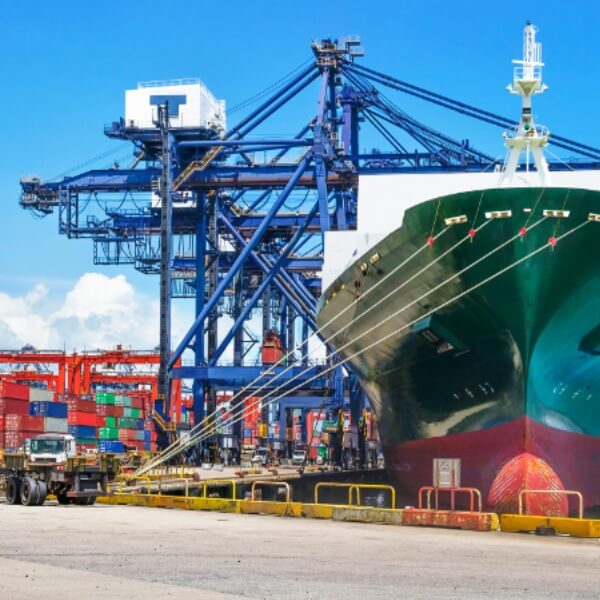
(80, 372)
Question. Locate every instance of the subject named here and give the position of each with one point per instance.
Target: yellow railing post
(578, 495)
(283, 484)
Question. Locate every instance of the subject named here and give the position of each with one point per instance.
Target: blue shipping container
(83, 431)
(110, 446)
(147, 436)
(56, 410)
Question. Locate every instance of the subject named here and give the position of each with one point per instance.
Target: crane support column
(165, 257)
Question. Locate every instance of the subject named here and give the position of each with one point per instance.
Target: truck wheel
(30, 493)
(90, 500)
(42, 493)
(63, 499)
(13, 490)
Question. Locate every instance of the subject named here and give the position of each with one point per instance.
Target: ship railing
(430, 489)
(567, 493)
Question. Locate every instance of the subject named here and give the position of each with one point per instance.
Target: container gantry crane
(235, 220)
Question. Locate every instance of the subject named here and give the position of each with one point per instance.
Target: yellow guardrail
(231, 482)
(368, 486)
(578, 495)
(278, 484)
(352, 487)
(123, 480)
(185, 480)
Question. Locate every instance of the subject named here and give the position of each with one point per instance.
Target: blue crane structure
(241, 216)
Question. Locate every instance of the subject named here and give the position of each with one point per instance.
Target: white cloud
(97, 312)
(19, 322)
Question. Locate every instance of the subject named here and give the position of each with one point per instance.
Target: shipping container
(108, 433)
(39, 395)
(83, 418)
(54, 425)
(126, 435)
(105, 398)
(14, 391)
(80, 405)
(122, 400)
(15, 406)
(109, 410)
(110, 446)
(57, 410)
(24, 423)
(14, 439)
(82, 431)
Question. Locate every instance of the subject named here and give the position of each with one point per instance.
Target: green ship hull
(476, 347)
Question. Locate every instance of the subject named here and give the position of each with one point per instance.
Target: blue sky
(65, 67)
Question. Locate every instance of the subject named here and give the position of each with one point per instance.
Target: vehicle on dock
(261, 456)
(49, 464)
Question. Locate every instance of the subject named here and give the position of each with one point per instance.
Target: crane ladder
(196, 165)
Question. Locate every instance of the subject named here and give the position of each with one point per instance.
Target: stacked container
(16, 423)
(54, 414)
(107, 423)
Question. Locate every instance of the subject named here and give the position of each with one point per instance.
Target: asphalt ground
(122, 552)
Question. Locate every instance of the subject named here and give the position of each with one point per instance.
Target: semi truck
(49, 464)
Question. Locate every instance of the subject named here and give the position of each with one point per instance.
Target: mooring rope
(208, 425)
(201, 435)
(233, 420)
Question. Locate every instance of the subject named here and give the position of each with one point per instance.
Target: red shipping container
(108, 410)
(1, 422)
(13, 439)
(18, 423)
(15, 391)
(136, 402)
(14, 406)
(79, 405)
(83, 418)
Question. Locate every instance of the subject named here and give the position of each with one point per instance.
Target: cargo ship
(469, 311)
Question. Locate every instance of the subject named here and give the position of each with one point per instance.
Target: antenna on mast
(527, 81)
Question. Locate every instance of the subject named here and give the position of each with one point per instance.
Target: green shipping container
(105, 398)
(133, 413)
(110, 421)
(108, 433)
(126, 422)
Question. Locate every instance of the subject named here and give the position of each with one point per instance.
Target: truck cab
(50, 448)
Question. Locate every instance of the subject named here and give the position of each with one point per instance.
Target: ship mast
(528, 138)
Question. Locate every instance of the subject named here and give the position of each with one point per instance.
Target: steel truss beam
(233, 244)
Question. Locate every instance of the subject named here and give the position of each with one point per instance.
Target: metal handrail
(224, 481)
(355, 486)
(369, 486)
(278, 484)
(579, 495)
(186, 481)
(471, 491)
(323, 484)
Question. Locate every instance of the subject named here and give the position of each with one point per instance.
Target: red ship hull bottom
(503, 460)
